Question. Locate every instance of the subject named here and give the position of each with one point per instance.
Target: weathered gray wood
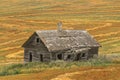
(41, 53)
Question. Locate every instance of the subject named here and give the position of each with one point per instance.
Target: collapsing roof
(56, 40)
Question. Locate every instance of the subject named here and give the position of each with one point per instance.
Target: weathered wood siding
(53, 56)
(73, 57)
(39, 48)
(35, 55)
(93, 52)
(36, 49)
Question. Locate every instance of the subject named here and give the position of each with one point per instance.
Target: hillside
(86, 73)
(20, 18)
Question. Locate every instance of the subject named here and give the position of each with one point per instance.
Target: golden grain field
(20, 18)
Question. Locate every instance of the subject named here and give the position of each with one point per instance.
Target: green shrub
(33, 67)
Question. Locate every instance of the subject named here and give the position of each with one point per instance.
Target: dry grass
(19, 19)
(83, 73)
(18, 22)
(92, 74)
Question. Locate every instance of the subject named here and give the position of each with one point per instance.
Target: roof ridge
(63, 30)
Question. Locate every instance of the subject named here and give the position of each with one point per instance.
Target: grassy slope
(83, 73)
(19, 19)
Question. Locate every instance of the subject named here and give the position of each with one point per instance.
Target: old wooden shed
(68, 45)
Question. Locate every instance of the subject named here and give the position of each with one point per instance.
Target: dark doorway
(83, 55)
(59, 56)
(78, 57)
(30, 57)
(69, 57)
(41, 57)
